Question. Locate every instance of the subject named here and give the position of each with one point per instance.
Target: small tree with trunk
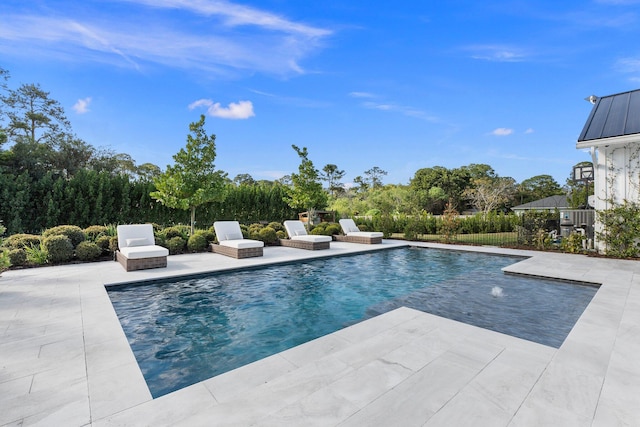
(192, 181)
(306, 192)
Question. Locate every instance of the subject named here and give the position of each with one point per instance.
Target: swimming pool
(185, 331)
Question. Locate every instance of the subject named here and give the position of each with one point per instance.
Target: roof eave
(605, 142)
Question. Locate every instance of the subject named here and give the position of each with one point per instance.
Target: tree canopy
(193, 180)
(306, 192)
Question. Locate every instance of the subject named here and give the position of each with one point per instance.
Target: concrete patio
(65, 361)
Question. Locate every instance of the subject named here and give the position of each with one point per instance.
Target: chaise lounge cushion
(242, 243)
(312, 239)
(139, 252)
(297, 231)
(350, 228)
(229, 234)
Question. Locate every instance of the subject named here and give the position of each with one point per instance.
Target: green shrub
(88, 251)
(113, 244)
(281, 234)
(59, 248)
(245, 231)
(103, 243)
(197, 243)
(37, 254)
(5, 262)
(176, 245)
(276, 226)
(18, 256)
(73, 232)
(181, 231)
(208, 234)
(326, 229)
(95, 231)
(267, 235)
(19, 241)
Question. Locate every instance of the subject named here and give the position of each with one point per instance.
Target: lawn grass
(494, 239)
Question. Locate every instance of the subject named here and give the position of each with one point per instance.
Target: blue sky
(398, 85)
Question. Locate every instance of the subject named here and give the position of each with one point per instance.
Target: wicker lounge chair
(232, 243)
(137, 249)
(298, 238)
(353, 234)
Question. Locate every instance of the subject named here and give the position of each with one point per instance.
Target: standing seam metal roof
(613, 115)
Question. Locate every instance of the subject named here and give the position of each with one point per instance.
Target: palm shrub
(59, 248)
(88, 251)
(73, 232)
(37, 254)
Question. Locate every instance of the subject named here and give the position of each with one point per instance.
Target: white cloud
(233, 39)
(502, 132)
(530, 130)
(402, 109)
(361, 95)
(82, 105)
(239, 110)
(497, 53)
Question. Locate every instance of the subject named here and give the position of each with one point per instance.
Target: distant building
(612, 134)
(549, 204)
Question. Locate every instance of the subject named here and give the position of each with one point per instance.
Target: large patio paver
(64, 359)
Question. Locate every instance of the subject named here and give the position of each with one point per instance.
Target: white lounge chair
(353, 234)
(298, 237)
(232, 243)
(137, 249)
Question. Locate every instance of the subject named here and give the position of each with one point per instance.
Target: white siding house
(612, 133)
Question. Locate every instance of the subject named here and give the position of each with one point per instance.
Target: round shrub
(245, 230)
(95, 231)
(19, 241)
(17, 257)
(197, 243)
(73, 232)
(281, 234)
(208, 234)
(175, 231)
(88, 251)
(176, 245)
(267, 235)
(276, 226)
(59, 248)
(103, 243)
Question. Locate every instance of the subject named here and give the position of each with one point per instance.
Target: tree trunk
(193, 219)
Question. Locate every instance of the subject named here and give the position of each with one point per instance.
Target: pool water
(185, 331)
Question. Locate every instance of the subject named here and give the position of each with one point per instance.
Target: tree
(536, 188)
(579, 191)
(192, 181)
(244, 179)
(374, 176)
(488, 194)
(33, 116)
(361, 184)
(306, 192)
(333, 175)
(449, 185)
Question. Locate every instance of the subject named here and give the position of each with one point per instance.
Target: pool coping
(65, 359)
